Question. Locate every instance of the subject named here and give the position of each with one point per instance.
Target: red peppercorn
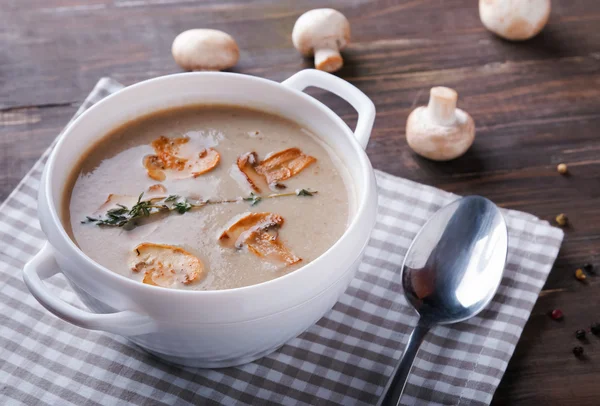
(578, 351)
(556, 314)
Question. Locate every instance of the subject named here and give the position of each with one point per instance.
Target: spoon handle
(395, 388)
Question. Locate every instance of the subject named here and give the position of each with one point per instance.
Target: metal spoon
(450, 273)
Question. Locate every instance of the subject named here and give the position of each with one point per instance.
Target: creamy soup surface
(119, 165)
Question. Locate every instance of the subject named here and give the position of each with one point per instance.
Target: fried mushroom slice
(154, 167)
(248, 221)
(168, 161)
(275, 168)
(258, 231)
(283, 165)
(166, 265)
(263, 244)
(246, 164)
(207, 160)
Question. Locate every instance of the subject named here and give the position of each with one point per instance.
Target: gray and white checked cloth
(346, 358)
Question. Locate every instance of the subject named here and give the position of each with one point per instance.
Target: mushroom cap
(321, 27)
(166, 265)
(205, 49)
(439, 142)
(515, 20)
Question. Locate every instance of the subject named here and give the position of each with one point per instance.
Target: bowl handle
(361, 103)
(43, 266)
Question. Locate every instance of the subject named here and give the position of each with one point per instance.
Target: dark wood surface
(535, 104)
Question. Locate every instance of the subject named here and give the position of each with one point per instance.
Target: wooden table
(535, 104)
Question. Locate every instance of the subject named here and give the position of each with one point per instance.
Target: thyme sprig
(123, 216)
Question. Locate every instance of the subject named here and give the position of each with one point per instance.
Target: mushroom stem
(442, 105)
(328, 59)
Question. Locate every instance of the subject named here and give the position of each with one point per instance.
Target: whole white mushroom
(515, 20)
(205, 49)
(440, 131)
(322, 32)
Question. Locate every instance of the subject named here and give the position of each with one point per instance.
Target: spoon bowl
(454, 265)
(451, 272)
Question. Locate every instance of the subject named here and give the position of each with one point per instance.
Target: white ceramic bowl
(207, 328)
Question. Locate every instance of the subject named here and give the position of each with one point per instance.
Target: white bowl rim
(361, 207)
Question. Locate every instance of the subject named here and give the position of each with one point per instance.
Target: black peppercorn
(588, 267)
(595, 328)
(578, 351)
(580, 334)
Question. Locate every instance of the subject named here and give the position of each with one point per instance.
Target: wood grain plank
(24, 136)
(134, 41)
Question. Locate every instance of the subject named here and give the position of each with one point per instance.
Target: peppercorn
(561, 219)
(595, 328)
(578, 351)
(580, 275)
(562, 168)
(557, 314)
(580, 334)
(588, 267)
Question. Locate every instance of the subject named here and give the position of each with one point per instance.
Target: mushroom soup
(207, 197)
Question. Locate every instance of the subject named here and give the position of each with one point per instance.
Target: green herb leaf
(253, 199)
(252, 196)
(182, 207)
(304, 192)
(89, 219)
(172, 198)
(117, 211)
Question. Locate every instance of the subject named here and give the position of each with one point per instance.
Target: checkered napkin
(346, 358)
